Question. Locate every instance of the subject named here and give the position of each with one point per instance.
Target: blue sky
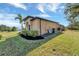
(50, 11)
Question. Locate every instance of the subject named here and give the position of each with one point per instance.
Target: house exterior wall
(35, 25)
(45, 26)
(27, 23)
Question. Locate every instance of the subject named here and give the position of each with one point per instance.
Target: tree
(14, 29)
(7, 28)
(72, 14)
(19, 17)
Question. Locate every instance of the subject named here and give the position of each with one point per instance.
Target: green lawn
(64, 44)
(16, 45)
(6, 35)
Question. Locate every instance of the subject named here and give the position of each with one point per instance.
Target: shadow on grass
(18, 46)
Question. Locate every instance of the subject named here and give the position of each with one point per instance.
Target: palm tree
(19, 17)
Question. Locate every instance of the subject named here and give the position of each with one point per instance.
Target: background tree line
(72, 15)
(7, 28)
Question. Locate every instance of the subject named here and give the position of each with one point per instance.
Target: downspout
(40, 27)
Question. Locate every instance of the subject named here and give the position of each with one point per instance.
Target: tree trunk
(21, 27)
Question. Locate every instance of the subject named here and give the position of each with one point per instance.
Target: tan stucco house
(41, 25)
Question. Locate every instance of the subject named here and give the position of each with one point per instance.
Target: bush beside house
(32, 33)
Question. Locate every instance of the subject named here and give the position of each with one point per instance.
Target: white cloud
(42, 15)
(47, 7)
(5, 16)
(8, 19)
(19, 5)
(53, 7)
(9, 23)
(62, 7)
(41, 7)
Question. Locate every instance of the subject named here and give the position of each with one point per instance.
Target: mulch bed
(32, 38)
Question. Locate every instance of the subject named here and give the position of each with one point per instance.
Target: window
(53, 30)
(58, 29)
(29, 27)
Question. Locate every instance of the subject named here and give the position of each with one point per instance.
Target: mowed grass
(15, 45)
(6, 35)
(65, 44)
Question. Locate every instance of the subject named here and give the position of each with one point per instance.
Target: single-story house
(41, 25)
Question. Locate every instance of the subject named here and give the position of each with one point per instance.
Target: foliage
(19, 17)
(72, 11)
(32, 33)
(14, 29)
(7, 28)
(72, 15)
(74, 26)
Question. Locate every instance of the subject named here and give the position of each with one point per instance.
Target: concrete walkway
(50, 35)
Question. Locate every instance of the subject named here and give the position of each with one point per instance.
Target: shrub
(32, 33)
(24, 32)
(0, 37)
